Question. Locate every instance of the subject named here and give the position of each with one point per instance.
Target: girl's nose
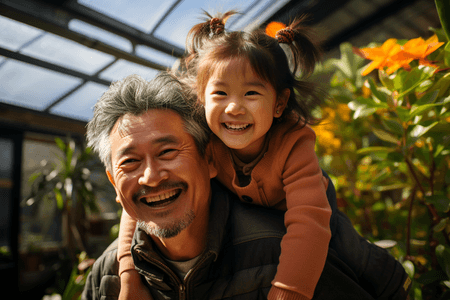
(235, 108)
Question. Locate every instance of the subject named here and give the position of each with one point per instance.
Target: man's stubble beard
(170, 230)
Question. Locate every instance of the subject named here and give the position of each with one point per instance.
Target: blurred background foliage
(384, 140)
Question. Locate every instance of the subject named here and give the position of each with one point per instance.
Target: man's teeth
(236, 127)
(161, 197)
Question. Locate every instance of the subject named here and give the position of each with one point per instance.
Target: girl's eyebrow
(248, 84)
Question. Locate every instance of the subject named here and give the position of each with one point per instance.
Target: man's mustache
(145, 190)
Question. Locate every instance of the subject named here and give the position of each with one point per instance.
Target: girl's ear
(282, 101)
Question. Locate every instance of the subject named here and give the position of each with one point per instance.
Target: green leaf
(443, 256)
(447, 54)
(432, 276)
(441, 225)
(428, 98)
(385, 136)
(59, 198)
(61, 145)
(402, 113)
(386, 79)
(440, 202)
(380, 96)
(367, 150)
(361, 110)
(420, 130)
(393, 126)
(408, 81)
(409, 268)
(443, 9)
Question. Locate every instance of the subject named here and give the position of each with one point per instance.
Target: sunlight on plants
(384, 140)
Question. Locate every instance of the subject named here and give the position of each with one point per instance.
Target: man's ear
(111, 179)
(281, 103)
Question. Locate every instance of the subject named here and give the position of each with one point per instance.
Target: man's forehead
(155, 126)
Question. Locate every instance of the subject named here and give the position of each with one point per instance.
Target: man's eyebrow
(168, 139)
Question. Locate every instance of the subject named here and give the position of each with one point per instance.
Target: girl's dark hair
(210, 47)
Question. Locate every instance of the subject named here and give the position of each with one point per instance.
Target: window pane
(176, 26)
(155, 56)
(67, 53)
(123, 68)
(80, 104)
(101, 35)
(33, 87)
(14, 34)
(140, 14)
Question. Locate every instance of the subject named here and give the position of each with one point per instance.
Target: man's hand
(132, 288)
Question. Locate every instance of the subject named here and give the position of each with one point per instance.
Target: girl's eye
(220, 93)
(251, 93)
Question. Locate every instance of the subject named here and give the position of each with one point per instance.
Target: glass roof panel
(80, 104)
(101, 35)
(32, 87)
(257, 14)
(67, 53)
(15, 34)
(140, 14)
(155, 56)
(123, 68)
(176, 26)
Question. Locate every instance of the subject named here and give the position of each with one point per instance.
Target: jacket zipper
(182, 288)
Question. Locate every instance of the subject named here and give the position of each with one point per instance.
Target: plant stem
(431, 208)
(408, 225)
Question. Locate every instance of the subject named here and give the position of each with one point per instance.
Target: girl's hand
(132, 288)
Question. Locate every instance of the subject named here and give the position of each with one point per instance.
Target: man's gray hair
(134, 95)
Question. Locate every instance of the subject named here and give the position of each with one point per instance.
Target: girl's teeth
(236, 127)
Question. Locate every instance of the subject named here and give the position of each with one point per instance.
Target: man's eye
(168, 153)
(129, 161)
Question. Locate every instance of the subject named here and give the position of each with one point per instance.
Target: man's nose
(235, 107)
(152, 175)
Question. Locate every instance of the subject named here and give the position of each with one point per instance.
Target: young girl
(262, 145)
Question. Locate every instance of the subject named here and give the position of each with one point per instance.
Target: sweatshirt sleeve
(304, 247)
(126, 232)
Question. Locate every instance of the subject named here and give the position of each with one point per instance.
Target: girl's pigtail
(304, 50)
(211, 28)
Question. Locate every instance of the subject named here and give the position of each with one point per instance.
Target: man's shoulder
(103, 280)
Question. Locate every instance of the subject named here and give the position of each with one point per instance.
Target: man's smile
(161, 199)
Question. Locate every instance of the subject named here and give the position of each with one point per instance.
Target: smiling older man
(195, 239)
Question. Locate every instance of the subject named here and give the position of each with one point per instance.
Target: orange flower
(380, 56)
(273, 27)
(394, 56)
(420, 49)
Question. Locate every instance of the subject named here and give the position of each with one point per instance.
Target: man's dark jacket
(239, 262)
